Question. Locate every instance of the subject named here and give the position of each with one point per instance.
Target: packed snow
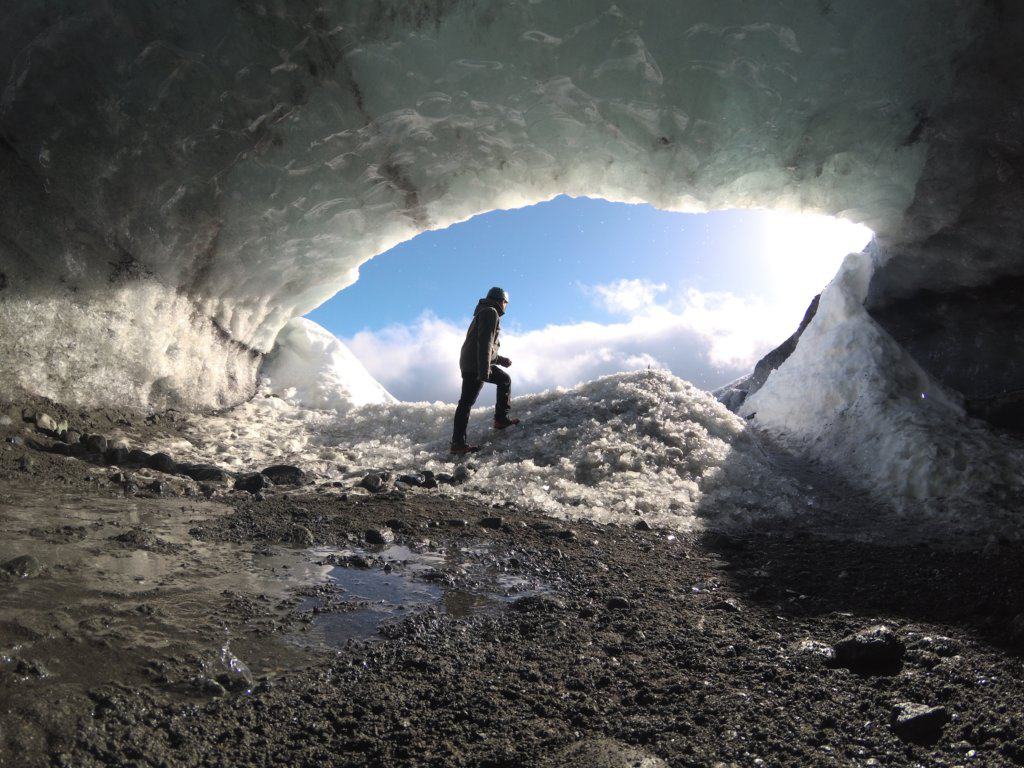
(644, 443)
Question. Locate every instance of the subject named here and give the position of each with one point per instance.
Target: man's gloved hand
(502, 361)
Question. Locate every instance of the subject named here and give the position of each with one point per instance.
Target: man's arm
(487, 321)
(504, 362)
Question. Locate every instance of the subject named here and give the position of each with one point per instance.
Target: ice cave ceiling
(180, 179)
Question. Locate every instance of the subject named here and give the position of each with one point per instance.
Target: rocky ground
(153, 618)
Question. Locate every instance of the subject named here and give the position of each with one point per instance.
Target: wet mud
(310, 628)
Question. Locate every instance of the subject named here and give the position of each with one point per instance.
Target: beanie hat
(497, 294)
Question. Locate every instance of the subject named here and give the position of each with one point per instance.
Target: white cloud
(627, 297)
(706, 338)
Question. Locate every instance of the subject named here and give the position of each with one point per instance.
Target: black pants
(471, 387)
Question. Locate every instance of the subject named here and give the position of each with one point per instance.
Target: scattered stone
(494, 523)
(138, 456)
(415, 480)
(115, 456)
(397, 525)
(728, 605)
(46, 423)
(874, 648)
(568, 535)
(252, 483)
(372, 482)
(203, 472)
(284, 474)
(618, 604)
(157, 488)
(457, 522)
(817, 649)
(461, 474)
(918, 723)
(537, 603)
(541, 525)
(642, 525)
(379, 536)
(301, 536)
(16, 440)
(21, 567)
(94, 443)
(162, 462)
(136, 538)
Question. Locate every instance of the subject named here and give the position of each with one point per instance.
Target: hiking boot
(463, 448)
(503, 423)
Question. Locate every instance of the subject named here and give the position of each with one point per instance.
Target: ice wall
(227, 165)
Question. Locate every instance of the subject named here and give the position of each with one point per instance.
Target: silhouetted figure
(478, 361)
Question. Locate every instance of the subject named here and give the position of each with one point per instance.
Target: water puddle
(363, 589)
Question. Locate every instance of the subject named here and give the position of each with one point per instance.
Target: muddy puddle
(119, 593)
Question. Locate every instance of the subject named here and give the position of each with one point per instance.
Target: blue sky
(610, 285)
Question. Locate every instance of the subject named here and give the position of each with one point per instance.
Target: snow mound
(310, 367)
(852, 397)
(643, 443)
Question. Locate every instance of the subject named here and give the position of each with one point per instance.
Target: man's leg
(504, 399)
(471, 387)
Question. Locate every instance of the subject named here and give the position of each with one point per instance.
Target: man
(478, 362)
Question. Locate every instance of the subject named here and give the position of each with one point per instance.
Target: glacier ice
(311, 368)
(250, 156)
(643, 443)
(180, 181)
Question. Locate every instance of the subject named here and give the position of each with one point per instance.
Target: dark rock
(415, 480)
(95, 443)
(71, 437)
(203, 472)
(138, 457)
(162, 462)
(426, 473)
(457, 522)
(60, 448)
(444, 477)
(542, 525)
(252, 483)
(461, 474)
(728, 605)
(873, 649)
(395, 524)
(537, 604)
(642, 525)
(116, 456)
(493, 523)
(429, 482)
(25, 464)
(379, 536)
(301, 536)
(372, 482)
(208, 491)
(21, 567)
(285, 474)
(618, 604)
(156, 488)
(568, 535)
(918, 723)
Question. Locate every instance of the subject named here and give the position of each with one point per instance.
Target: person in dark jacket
(479, 361)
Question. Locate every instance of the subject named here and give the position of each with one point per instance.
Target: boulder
(203, 472)
(918, 723)
(21, 567)
(94, 443)
(372, 482)
(873, 649)
(284, 474)
(46, 422)
(162, 462)
(379, 537)
(139, 457)
(253, 483)
(415, 479)
(494, 523)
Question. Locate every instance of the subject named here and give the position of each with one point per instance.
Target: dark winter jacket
(480, 349)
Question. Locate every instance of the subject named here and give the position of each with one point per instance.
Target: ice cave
(181, 182)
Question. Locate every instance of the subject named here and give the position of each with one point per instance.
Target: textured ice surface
(639, 443)
(852, 397)
(310, 367)
(250, 156)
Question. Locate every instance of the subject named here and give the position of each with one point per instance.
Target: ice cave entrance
(597, 287)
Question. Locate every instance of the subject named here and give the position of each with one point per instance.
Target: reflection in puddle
(365, 588)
